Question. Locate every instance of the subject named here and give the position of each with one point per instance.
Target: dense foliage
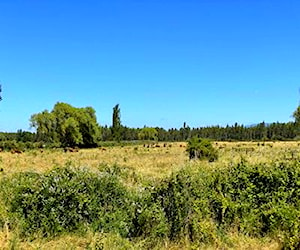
(67, 126)
(199, 148)
(236, 132)
(201, 205)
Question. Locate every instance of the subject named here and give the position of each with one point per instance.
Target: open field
(156, 162)
(149, 164)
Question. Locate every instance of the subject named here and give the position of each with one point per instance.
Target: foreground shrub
(202, 205)
(66, 199)
(185, 203)
(259, 200)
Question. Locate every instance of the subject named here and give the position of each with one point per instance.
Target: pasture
(156, 161)
(145, 164)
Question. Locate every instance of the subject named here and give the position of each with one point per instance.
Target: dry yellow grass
(115, 242)
(150, 162)
(154, 162)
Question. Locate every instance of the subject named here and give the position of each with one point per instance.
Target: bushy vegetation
(67, 126)
(202, 205)
(199, 148)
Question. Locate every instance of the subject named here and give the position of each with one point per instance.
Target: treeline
(236, 132)
(68, 126)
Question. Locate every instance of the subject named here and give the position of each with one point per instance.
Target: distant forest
(259, 132)
(68, 126)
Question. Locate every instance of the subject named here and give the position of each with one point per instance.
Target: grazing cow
(16, 151)
(72, 150)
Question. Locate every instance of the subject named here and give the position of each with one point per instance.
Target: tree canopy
(148, 133)
(67, 125)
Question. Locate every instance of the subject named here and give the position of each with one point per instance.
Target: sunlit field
(149, 162)
(155, 161)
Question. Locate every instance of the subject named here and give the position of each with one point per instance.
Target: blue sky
(204, 62)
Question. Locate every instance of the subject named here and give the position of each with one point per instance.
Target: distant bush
(22, 146)
(199, 148)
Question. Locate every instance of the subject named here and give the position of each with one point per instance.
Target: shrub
(258, 200)
(184, 202)
(199, 148)
(65, 199)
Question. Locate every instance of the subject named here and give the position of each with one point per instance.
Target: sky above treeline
(203, 62)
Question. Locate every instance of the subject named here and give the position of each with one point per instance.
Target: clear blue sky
(204, 62)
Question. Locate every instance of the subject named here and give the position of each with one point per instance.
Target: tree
(199, 148)
(67, 126)
(147, 133)
(0, 92)
(116, 123)
(296, 115)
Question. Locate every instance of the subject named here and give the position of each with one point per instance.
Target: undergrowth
(202, 206)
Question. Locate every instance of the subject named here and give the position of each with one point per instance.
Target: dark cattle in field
(16, 151)
(72, 150)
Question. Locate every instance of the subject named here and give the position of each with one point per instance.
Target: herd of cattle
(76, 149)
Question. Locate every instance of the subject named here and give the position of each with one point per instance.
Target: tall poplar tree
(116, 123)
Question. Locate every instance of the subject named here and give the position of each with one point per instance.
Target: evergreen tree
(116, 123)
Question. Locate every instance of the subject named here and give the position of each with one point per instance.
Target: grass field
(156, 162)
(153, 163)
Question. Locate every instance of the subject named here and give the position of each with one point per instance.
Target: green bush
(258, 200)
(199, 148)
(183, 199)
(66, 199)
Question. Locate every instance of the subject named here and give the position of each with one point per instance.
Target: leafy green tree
(116, 123)
(148, 133)
(67, 126)
(199, 148)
